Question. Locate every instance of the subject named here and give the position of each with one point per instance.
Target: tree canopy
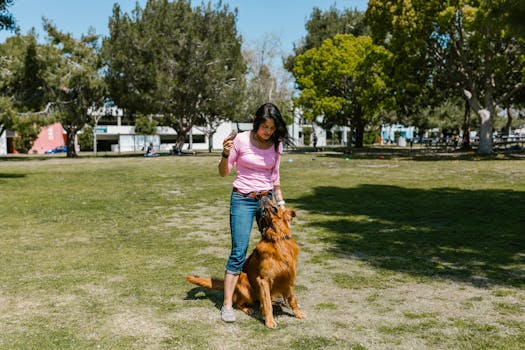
(23, 89)
(23, 75)
(343, 81)
(7, 21)
(75, 82)
(266, 79)
(324, 25)
(180, 63)
(464, 43)
(7, 114)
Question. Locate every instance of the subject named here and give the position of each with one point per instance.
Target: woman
(256, 155)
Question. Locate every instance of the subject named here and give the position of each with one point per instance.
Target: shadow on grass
(216, 296)
(477, 237)
(11, 176)
(422, 154)
(25, 158)
(199, 293)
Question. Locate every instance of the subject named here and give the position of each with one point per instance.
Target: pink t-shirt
(257, 169)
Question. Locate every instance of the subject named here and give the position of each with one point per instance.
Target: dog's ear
(290, 214)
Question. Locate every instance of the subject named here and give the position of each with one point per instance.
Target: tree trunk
(70, 142)
(359, 136)
(182, 127)
(349, 141)
(486, 115)
(508, 124)
(359, 133)
(485, 131)
(210, 142)
(465, 144)
(179, 144)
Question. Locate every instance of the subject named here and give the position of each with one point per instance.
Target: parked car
(59, 149)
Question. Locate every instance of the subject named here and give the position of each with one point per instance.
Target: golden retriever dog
(269, 271)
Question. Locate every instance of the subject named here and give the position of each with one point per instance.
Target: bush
(370, 138)
(307, 135)
(27, 129)
(85, 138)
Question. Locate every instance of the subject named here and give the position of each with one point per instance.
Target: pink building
(50, 136)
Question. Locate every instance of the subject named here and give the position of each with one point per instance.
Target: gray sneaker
(227, 314)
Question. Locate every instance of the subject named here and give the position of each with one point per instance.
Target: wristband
(224, 155)
(281, 202)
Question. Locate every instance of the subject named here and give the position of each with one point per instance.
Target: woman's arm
(277, 178)
(223, 165)
(278, 194)
(227, 144)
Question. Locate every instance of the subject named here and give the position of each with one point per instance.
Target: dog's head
(274, 223)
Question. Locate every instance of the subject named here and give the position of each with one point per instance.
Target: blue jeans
(242, 213)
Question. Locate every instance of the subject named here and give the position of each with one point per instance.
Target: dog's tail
(206, 282)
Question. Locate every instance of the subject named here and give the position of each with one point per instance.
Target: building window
(50, 135)
(196, 138)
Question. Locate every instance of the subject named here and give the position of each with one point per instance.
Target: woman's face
(266, 129)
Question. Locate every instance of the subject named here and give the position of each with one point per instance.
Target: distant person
(150, 151)
(455, 140)
(315, 142)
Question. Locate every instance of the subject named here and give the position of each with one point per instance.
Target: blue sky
(256, 18)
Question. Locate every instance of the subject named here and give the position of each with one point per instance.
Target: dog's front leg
(266, 302)
(292, 301)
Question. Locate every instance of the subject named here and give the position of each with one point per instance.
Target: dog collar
(286, 237)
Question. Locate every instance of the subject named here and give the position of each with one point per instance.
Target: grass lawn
(396, 253)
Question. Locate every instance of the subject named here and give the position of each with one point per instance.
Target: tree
(448, 115)
(57, 81)
(179, 63)
(144, 125)
(130, 68)
(7, 21)
(23, 89)
(27, 129)
(464, 43)
(512, 13)
(74, 80)
(86, 138)
(343, 81)
(7, 114)
(265, 80)
(325, 25)
(221, 76)
(28, 84)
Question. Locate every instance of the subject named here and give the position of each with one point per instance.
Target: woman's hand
(278, 195)
(227, 143)
(281, 203)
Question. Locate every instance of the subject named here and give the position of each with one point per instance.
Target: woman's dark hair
(270, 111)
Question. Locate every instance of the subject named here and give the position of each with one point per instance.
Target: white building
(3, 143)
(122, 138)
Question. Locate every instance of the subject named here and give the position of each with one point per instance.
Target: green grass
(397, 252)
